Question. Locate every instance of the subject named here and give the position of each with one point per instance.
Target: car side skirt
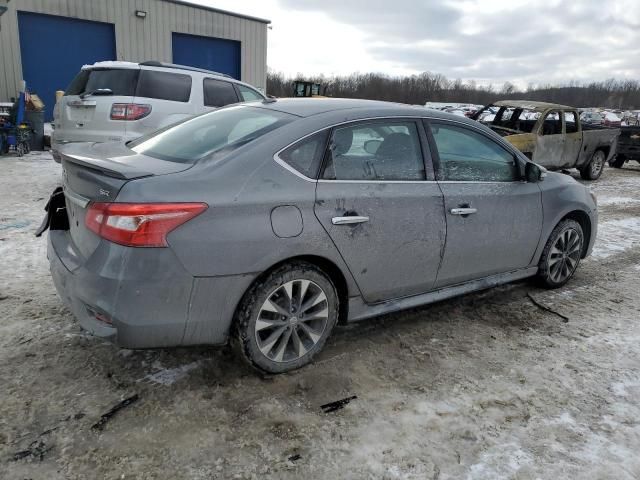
(358, 310)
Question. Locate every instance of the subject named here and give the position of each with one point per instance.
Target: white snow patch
(617, 200)
(169, 376)
(500, 462)
(616, 237)
(621, 389)
(111, 64)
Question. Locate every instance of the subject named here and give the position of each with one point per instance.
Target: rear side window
(305, 156)
(175, 87)
(570, 124)
(386, 150)
(218, 93)
(121, 81)
(248, 94)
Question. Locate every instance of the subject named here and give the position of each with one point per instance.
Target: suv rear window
(164, 86)
(133, 82)
(218, 93)
(121, 81)
(210, 134)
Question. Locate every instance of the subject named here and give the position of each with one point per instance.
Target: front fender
(561, 196)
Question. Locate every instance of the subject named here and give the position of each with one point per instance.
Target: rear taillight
(139, 224)
(129, 111)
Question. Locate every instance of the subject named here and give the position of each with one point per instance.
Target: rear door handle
(463, 211)
(349, 220)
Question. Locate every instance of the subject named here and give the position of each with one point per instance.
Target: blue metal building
(46, 42)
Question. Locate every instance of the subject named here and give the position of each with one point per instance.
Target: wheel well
(329, 268)
(585, 222)
(605, 150)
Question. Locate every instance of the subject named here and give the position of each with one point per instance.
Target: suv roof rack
(155, 63)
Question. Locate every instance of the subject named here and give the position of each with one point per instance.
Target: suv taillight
(129, 111)
(139, 224)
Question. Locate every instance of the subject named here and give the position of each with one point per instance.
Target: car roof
(153, 65)
(307, 107)
(531, 105)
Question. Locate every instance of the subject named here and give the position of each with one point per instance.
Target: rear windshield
(210, 134)
(133, 82)
(121, 81)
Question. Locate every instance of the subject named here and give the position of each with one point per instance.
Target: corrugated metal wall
(138, 39)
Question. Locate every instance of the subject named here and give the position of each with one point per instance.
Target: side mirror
(534, 173)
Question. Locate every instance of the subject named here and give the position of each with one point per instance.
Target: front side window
(468, 156)
(211, 134)
(218, 93)
(375, 151)
(306, 155)
(248, 94)
(175, 87)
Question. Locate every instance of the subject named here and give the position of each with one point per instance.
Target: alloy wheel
(291, 320)
(597, 163)
(564, 255)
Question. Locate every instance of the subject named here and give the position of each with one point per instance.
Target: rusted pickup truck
(552, 135)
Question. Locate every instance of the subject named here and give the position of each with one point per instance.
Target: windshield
(210, 134)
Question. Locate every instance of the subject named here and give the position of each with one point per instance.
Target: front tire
(561, 255)
(593, 169)
(285, 319)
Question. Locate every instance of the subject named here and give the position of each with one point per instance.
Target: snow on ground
(481, 387)
(616, 236)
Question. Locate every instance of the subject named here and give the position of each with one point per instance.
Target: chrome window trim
(286, 166)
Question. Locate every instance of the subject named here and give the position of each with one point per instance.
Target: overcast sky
(490, 41)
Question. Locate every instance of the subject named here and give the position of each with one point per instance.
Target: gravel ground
(486, 386)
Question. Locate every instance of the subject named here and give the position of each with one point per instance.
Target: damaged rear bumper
(142, 298)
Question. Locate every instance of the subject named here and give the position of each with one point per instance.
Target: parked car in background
(269, 223)
(611, 120)
(553, 136)
(120, 101)
(591, 118)
(456, 111)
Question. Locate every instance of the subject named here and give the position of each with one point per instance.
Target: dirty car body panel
(391, 237)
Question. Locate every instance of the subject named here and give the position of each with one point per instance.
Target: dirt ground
(486, 386)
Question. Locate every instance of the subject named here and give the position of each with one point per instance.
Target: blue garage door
(54, 48)
(215, 54)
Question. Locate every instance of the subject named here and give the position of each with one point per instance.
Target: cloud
(494, 40)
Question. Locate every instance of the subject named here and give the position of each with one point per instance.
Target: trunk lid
(96, 173)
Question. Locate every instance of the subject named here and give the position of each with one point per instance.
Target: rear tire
(561, 255)
(284, 320)
(593, 169)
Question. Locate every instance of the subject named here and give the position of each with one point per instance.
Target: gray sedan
(269, 223)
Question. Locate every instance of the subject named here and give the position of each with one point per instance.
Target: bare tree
(433, 87)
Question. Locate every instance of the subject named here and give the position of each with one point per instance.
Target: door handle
(349, 220)
(463, 211)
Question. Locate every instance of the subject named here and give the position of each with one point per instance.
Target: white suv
(120, 101)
